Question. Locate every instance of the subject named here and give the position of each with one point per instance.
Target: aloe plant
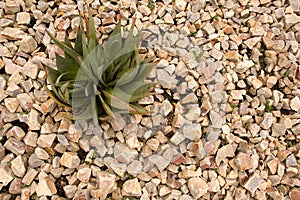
(98, 80)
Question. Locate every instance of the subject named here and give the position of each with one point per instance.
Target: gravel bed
(222, 125)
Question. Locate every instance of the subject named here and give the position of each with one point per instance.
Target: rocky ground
(224, 125)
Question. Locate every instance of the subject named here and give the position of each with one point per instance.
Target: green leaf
(117, 30)
(94, 110)
(67, 66)
(67, 49)
(78, 42)
(92, 33)
(106, 107)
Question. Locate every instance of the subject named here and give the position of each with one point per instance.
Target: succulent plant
(98, 80)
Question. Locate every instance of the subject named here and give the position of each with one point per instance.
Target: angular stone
(168, 19)
(132, 188)
(177, 138)
(180, 5)
(253, 183)
(252, 42)
(11, 104)
(34, 161)
(31, 138)
(28, 44)
(107, 184)
(25, 101)
(23, 18)
(295, 104)
(33, 120)
(291, 19)
(41, 153)
(31, 69)
(15, 146)
(70, 191)
(29, 176)
(118, 123)
(135, 167)
(165, 79)
(198, 187)
(16, 132)
(267, 121)
(15, 186)
(273, 164)
(223, 152)
(70, 160)
(123, 153)
(294, 194)
(18, 167)
(244, 161)
(84, 174)
(192, 131)
(46, 187)
(160, 162)
(166, 107)
(46, 140)
(278, 129)
(6, 175)
(12, 7)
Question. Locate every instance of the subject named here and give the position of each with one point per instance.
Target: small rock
(12, 7)
(291, 19)
(159, 161)
(33, 119)
(31, 69)
(135, 167)
(107, 184)
(165, 79)
(216, 54)
(291, 161)
(166, 107)
(84, 174)
(271, 81)
(25, 101)
(168, 19)
(15, 146)
(294, 194)
(177, 138)
(41, 153)
(132, 188)
(267, 121)
(70, 191)
(273, 164)
(11, 104)
(15, 186)
(18, 167)
(23, 18)
(244, 161)
(145, 10)
(118, 123)
(46, 187)
(16, 132)
(198, 187)
(28, 44)
(123, 153)
(223, 152)
(237, 94)
(29, 176)
(278, 130)
(252, 42)
(180, 5)
(70, 160)
(6, 175)
(209, 29)
(253, 183)
(192, 131)
(295, 104)
(46, 140)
